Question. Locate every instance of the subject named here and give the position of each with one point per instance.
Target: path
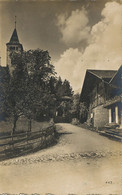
(81, 162)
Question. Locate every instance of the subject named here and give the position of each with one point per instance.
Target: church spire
(14, 37)
(15, 21)
(13, 46)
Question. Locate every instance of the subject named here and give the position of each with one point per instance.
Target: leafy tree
(28, 84)
(42, 78)
(39, 67)
(4, 80)
(14, 99)
(52, 84)
(32, 89)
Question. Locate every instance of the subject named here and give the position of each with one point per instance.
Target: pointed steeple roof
(14, 40)
(14, 37)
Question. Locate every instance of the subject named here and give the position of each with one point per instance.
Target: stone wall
(101, 116)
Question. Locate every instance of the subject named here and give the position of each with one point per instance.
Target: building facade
(102, 93)
(113, 104)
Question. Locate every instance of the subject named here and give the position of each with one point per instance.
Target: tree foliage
(4, 81)
(79, 109)
(75, 109)
(63, 88)
(27, 87)
(33, 90)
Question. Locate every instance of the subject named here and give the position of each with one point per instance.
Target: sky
(79, 34)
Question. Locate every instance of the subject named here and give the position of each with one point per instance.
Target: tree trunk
(29, 125)
(14, 124)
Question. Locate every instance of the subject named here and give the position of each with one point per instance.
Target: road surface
(82, 162)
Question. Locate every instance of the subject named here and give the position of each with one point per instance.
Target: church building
(11, 46)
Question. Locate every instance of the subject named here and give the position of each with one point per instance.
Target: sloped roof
(91, 78)
(14, 37)
(116, 79)
(103, 74)
(14, 40)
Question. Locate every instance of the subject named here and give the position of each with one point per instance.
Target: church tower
(13, 45)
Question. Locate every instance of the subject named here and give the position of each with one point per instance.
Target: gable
(116, 79)
(106, 75)
(92, 79)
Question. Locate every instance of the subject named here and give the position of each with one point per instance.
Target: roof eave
(115, 74)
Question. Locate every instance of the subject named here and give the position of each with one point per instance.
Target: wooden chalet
(101, 91)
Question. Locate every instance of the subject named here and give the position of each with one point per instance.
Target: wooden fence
(23, 143)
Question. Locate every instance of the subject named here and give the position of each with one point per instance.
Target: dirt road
(82, 162)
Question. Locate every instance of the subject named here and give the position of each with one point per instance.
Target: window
(12, 48)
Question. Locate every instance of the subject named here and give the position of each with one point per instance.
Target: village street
(82, 162)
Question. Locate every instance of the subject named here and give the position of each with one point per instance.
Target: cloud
(104, 50)
(74, 28)
(68, 66)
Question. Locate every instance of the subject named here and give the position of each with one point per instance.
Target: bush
(75, 121)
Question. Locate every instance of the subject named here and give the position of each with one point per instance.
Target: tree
(79, 109)
(67, 89)
(4, 80)
(14, 99)
(52, 84)
(83, 112)
(39, 67)
(28, 86)
(63, 95)
(75, 109)
(33, 89)
(42, 77)
(63, 88)
(59, 88)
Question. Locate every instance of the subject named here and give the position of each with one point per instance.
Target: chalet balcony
(112, 101)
